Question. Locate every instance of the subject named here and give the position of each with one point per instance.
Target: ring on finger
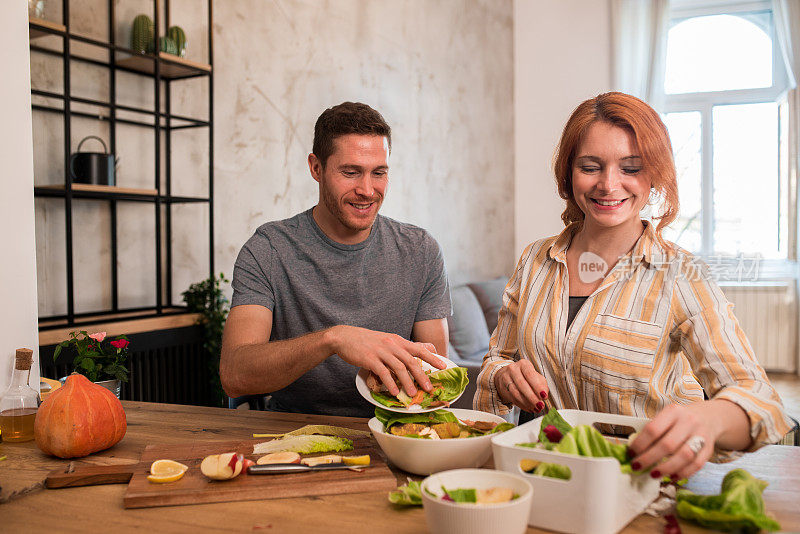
(508, 386)
(696, 444)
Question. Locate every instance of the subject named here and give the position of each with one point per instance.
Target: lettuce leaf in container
(447, 384)
(739, 507)
(582, 440)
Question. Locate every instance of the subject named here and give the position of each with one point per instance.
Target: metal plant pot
(114, 386)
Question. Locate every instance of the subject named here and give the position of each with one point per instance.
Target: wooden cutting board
(195, 488)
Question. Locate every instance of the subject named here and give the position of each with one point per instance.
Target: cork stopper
(24, 359)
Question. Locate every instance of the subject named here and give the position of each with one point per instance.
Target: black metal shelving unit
(164, 70)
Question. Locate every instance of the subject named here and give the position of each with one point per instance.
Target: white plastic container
(597, 499)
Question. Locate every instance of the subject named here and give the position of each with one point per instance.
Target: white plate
(361, 386)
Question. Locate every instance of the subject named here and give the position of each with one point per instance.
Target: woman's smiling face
(609, 182)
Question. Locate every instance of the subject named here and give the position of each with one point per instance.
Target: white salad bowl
(446, 517)
(426, 456)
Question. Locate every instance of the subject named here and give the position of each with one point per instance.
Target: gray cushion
(468, 333)
(490, 297)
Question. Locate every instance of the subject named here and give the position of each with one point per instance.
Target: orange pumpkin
(78, 419)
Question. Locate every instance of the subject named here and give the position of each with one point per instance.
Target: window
(724, 85)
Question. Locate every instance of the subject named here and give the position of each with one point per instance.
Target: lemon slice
(162, 468)
(162, 471)
(160, 479)
(356, 460)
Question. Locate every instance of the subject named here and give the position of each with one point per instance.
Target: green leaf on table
(739, 506)
(408, 495)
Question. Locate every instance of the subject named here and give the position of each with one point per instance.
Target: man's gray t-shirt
(388, 282)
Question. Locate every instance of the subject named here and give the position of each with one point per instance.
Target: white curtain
(787, 27)
(639, 47)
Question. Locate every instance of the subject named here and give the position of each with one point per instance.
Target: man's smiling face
(352, 185)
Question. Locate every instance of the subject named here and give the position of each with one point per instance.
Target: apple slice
(222, 466)
(327, 459)
(494, 495)
(283, 457)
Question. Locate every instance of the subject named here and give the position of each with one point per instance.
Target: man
(338, 287)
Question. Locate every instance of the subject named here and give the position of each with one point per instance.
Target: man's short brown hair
(347, 118)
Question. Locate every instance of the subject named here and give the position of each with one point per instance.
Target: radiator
(165, 366)
(767, 312)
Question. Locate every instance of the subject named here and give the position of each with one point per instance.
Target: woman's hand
(681, 438)
(518, 383)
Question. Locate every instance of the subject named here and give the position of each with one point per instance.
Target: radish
(552, 433)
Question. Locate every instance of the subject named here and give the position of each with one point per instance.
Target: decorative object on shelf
(78, 419)
(178, 36)
(99, 359)
(142, 34)
(20, 402)
(93, 167)
(36, 9)
(207, 299)
(165, 44)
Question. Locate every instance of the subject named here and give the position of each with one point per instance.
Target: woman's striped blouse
(657, 331)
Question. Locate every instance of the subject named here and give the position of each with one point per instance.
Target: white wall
(562, 56)
(18, 318)
(440, 72)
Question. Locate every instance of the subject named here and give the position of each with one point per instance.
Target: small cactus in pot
(177, 34)
(142, 34)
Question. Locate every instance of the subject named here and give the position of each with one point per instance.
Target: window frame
(704, 102)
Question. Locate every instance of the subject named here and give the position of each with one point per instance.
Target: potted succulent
(101, 359)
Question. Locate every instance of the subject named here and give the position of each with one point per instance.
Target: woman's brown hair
(651, 137)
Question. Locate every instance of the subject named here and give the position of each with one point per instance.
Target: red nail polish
(539, 406)
(543, 395)
(636, 466)
(674, 478)
(629, 452)
(655, 473)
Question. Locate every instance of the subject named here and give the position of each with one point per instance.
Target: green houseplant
(96, 356)
(207, 299)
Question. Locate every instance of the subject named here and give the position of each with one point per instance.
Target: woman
(610, 317)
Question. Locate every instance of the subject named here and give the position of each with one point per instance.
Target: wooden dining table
(28, 507)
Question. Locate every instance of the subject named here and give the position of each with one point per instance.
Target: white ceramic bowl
(452, 518)
(426, 456)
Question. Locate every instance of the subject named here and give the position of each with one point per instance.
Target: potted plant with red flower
(101, 359)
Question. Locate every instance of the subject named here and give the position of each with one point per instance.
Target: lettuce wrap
(448, 384)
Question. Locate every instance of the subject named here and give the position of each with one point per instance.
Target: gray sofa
(475, 309)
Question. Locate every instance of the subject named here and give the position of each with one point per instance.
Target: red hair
(652, 140)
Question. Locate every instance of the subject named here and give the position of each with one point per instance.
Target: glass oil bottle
(19, 402)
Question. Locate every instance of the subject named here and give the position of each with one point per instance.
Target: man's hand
(518, 383)
(384, 354)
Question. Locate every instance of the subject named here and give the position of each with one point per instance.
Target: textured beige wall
(441, 72)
